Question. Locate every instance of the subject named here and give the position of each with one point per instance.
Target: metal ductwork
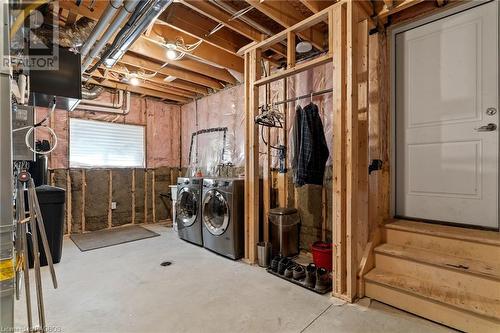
(135, 29)
(93, 93)
(101, 26)
(124, 12)
(144, 15)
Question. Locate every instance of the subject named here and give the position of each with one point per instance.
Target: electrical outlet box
(113, 205)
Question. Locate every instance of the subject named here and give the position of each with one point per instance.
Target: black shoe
(310, 281)
(299, 273)
(274, 263)
(289, 270)
(283, 264)
(323, 281)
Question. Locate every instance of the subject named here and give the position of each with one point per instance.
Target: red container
(322, 254)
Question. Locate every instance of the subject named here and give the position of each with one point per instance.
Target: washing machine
(223, 216)
(188, 209)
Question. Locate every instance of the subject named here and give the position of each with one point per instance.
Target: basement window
(99, 144)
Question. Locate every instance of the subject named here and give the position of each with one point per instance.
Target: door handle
(487, 128)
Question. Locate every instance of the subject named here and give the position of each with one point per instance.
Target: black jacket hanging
(310, 148)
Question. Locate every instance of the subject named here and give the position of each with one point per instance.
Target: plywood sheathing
(121, 194)
(96, 200)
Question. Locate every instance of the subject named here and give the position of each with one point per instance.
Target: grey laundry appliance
(223, 216)
(188, 209)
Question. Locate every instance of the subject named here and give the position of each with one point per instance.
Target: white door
(446, 97)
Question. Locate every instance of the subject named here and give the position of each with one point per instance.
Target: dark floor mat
(104, 238)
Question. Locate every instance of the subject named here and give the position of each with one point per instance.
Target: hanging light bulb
(134, 81)
(303, 47)
(171, 51)
(171, 54)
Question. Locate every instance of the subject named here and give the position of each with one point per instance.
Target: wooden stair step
(465, 234)
(465, 321)
(464, 265)
(466, 301)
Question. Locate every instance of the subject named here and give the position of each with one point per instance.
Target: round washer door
(186, 207)
(215, 212)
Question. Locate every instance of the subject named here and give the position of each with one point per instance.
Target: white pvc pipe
(127, 9)
(101, 26)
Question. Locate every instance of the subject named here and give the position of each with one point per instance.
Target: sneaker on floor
(289, 270)
(275, 263)
(283, 265)
(310, 280)
(299, 273)
(323, 281)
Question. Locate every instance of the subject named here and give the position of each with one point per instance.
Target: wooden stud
(283, 177)
(84, 189)
(132, 192)
(252, 155)
(153, 196)
(110, 198)
(290, 55)
(247, 154)
(339, 98)
(266, 174)
(363, 228)
(145, 196)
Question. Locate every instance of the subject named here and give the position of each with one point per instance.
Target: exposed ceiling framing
(216, 62)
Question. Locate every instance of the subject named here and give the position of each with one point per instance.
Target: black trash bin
(51, 200)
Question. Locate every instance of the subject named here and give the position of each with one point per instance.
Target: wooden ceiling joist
(287, 16)
(221, 16)
(204, 51)
(316, 6)
(140, 90)
(399, 6)
(196, 25)
(149, 65)
(150, 49)
(145, 84)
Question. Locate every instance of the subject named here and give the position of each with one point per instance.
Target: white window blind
(102, 144)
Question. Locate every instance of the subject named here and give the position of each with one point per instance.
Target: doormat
(110, 237)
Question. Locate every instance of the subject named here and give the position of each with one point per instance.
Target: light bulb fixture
(303, 47)
(171, 54)
(134, 81)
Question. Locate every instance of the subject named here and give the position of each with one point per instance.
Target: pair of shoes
(283, 264)
(310, 280)
(298, 272)
(290, 269)
(323, 281)
(275, 263)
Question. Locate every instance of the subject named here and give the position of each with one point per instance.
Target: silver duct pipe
(224, 6)
(120, 108)
(127, 9)
(93, 93)
(150, 15)
(101, 25)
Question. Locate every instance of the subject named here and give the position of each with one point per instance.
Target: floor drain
(166, 263)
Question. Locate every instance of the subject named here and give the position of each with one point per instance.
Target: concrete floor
(124, 289)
